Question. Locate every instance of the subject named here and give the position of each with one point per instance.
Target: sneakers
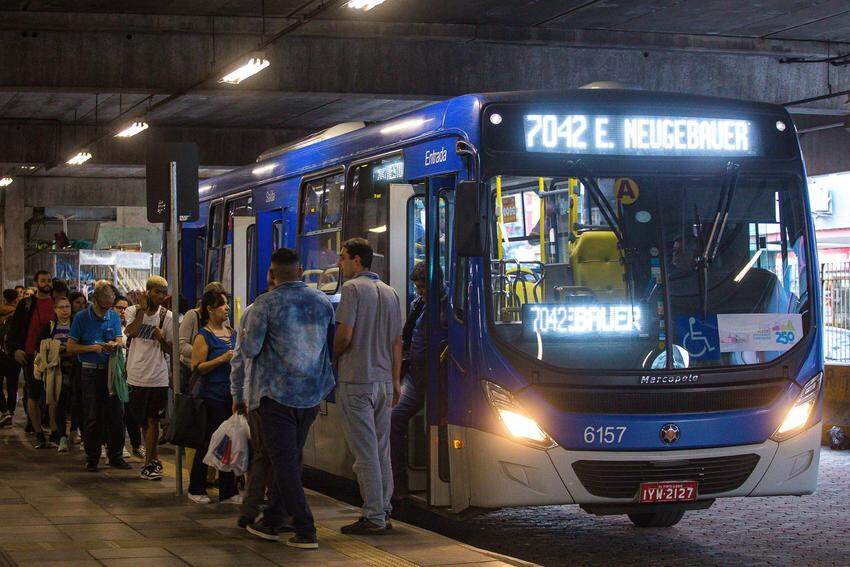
(41, 442)
(157, 464)
(5, 419)
(139, 452)
(150, 472)
(199, 498)
(236, 499)
(75, 438)
(120, 464)
(363, 527)
(125, 454)
(303, 541)
(263, 530)
(103, 456)
(91, 466)
(244, 521)
(63, 444)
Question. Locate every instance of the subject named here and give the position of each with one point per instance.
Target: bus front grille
(665, 401)
(622, 479)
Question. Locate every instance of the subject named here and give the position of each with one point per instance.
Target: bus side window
(277, 234)
(200, 248)
(214, 240)
(369, 207)
(320, 222)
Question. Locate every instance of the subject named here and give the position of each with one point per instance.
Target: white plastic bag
(228, 450)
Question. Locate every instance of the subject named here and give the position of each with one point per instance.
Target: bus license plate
(683, 491)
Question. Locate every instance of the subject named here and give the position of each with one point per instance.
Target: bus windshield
(645, 272)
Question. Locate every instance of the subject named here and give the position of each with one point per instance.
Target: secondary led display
(586, 320)
(639, 135)
(388, 171)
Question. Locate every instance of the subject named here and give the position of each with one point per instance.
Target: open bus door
(422, 237)
(244, 264)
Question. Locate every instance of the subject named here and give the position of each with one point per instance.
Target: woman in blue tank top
(211, 354)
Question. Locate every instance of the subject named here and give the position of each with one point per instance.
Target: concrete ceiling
(822, 20)
(71, 70)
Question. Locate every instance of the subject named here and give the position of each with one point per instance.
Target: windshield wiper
(708, 248)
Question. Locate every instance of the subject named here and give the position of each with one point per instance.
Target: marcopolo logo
(670, 379)
(435, 157)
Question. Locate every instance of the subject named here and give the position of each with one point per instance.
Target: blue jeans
(412, 400)
(366, 408)
(284, 431)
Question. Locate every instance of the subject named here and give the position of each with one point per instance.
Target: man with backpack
(30, 317)
(150, 333)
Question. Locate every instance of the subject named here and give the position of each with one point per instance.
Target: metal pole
(174, 289)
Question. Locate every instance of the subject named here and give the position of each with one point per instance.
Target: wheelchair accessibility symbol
(699, 337)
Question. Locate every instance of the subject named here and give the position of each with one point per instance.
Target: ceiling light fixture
(364, 5)
(132, 130)
(79, 159)
(6, 181)
(29, 167)
(252, 67)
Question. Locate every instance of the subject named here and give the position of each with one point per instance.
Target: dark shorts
(148, 403)
(35, 388)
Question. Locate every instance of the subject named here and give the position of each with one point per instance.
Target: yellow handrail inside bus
(541, 186)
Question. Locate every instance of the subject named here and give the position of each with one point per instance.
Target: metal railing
(835, 285)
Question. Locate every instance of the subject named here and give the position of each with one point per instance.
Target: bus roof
(458, 116)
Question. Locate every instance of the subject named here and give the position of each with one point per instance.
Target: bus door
(244, 263)
(424, 239)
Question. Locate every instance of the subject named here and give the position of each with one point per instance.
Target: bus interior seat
(595, 261)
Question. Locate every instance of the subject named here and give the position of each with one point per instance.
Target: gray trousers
(259, 473)
(367, 409)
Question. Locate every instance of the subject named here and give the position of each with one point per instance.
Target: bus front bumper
(505, 473)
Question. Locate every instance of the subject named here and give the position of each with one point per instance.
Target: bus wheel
(663, 519)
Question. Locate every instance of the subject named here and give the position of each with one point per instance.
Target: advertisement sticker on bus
(759, 332)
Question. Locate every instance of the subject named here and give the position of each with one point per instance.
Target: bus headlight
(520, 426)
(799, 414)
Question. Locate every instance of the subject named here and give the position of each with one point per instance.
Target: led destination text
(581, 320)
(638, 135)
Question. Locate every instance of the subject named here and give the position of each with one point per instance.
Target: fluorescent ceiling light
(29, 167)
(364, 5)
(6, 181)
(252, 67)
(263, 169)
(410, 124)
(379, 229)
(750, 264)
(132, 130)
(80, 158)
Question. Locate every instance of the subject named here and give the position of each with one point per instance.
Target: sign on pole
(159, 156)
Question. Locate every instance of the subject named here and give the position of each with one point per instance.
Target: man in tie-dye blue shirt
(285, 340)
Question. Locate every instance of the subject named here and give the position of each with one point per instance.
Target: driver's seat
(595, 262)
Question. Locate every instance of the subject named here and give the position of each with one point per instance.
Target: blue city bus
(632, 311)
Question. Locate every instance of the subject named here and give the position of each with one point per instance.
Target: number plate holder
(667, 491)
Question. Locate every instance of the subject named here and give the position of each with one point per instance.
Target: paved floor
(53, 512)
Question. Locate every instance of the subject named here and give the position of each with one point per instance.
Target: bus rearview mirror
(468, 233)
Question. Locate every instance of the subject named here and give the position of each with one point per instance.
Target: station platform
(53, 512)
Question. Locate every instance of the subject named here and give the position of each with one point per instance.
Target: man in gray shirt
(367, 346)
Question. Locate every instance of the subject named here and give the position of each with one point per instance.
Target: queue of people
(276, 370)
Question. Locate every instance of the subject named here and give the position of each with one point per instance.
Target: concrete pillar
(15, 215)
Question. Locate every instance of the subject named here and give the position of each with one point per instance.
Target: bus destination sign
(639, 135)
